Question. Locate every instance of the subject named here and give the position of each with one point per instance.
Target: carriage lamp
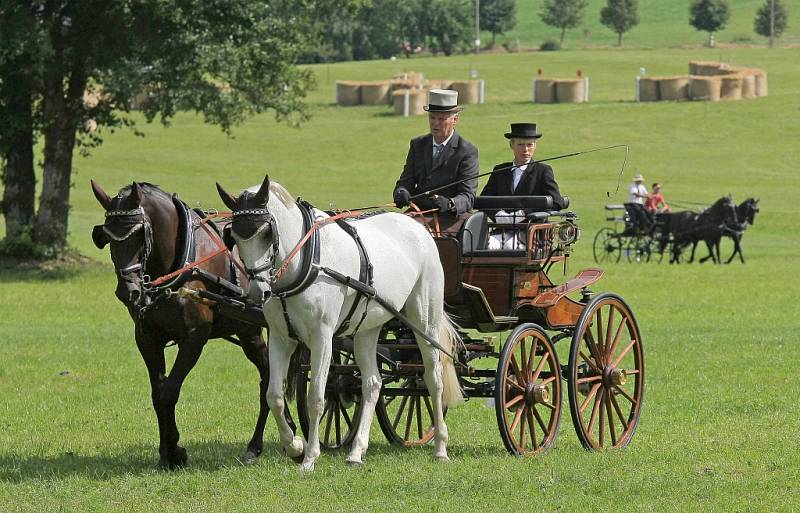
(567, 233)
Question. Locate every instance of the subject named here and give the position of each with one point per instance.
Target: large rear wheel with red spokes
(605, 381)
(528, 391)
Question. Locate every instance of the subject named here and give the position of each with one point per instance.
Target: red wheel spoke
(409, 420)
(517, 373)
(613, 347)
(524, 416)
(602, 433)
(540, 421)
(532, 429)
(622, 418)
(607, 343)
(623, 353)
(548, 406)
(515, 422)
(400, 410)
(548, 380)
(593, 349)
(589, 379)
(611, 424)
(589, 396)
(631, 372)
(513, 401)
(539, 368)
(595, 409)
(625, 395)
(531, 357)
(590, 363)
(514, 384)
(600, 337)
(524, 357)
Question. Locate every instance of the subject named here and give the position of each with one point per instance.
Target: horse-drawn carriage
(634, 233)
(483, 291)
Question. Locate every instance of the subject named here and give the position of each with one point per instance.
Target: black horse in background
(708, 226)
(152, 233)
(746, 215)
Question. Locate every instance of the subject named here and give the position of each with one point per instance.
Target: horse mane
(147, 189)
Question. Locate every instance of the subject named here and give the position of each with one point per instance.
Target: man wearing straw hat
(637, 192)
(522, 177)
(437, 159)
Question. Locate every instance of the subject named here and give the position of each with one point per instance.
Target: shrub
(550, 45)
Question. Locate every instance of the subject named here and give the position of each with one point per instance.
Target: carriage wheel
(405, 411)
(605, 382)
(527, 394)
(606, 247)
(342, 410)
(638, 250)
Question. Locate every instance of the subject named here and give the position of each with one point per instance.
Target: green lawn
(720, 421)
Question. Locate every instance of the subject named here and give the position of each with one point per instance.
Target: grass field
(721, 417)
(662, 23)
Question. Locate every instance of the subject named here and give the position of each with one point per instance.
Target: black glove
(442, 203)
(401, 197)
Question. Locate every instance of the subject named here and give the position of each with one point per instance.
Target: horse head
(751, 209)
(140, 227)
(724, 211)
(254, 231)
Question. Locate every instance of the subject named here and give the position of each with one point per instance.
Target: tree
(763, 20)
(449, 25)
(620, 16)
(563, 14)
(498, 16)
(709, 16)
(226, 59)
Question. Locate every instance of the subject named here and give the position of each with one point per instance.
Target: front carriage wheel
(605, 381)
(607, 246)
(638, 250)
(527, 392)
(342, 410)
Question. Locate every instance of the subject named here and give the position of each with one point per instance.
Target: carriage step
(584, 278)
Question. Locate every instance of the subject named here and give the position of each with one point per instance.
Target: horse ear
(136, 193)
(229, 201)
(262, 196)
(99, 236)
(227, 238)
(101, 195)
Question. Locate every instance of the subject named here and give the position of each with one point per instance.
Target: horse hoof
(174, 459)
(297, 449)
(443, 459)
(307, 467)
(355, 464)
(249, 457)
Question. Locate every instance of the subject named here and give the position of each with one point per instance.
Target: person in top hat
(521, 177)
(637, 192)
(437, 159)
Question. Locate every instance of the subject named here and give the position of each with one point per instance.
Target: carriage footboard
(584, 278)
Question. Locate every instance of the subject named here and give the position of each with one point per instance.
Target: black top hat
(523, 131)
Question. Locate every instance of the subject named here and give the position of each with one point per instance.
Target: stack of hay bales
(561, 90)
(710, 81)
(348, 92)
(469, 91)
(409, 102)
(375, 93)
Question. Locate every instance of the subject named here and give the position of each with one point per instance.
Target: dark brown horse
(152, 233)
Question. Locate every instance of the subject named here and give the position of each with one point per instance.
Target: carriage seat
(474, 234)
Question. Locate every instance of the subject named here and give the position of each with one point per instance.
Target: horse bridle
(254, 274)
(142, 224)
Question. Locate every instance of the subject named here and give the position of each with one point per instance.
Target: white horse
(407, 274)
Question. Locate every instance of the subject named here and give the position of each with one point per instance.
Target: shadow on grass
(16, 271)
(138, 460)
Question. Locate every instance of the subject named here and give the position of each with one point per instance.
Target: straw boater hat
(523, 131)
(638, 178)
(442, 100)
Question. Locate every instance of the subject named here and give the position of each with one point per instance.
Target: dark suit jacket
(459, 161)
(537, 180)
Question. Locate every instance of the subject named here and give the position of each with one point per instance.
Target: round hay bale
(416, 99)
(648, 89)
(703, 68)
(398, 84)
(570, 90)
(544, 90)
(673, 88)
(748, 86)
(375, 93)
(704, 88)
(730, 87)
(469, 91)
(761, 83)
(437, 84)
(348, 92)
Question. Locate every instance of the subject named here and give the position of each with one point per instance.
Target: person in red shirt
(655, 201)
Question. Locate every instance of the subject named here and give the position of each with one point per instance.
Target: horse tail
(291, 376)
(450, 341)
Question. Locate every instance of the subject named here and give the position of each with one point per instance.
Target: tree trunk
(62, 111)
(19, 180)
(619, 38)
(563, 31)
